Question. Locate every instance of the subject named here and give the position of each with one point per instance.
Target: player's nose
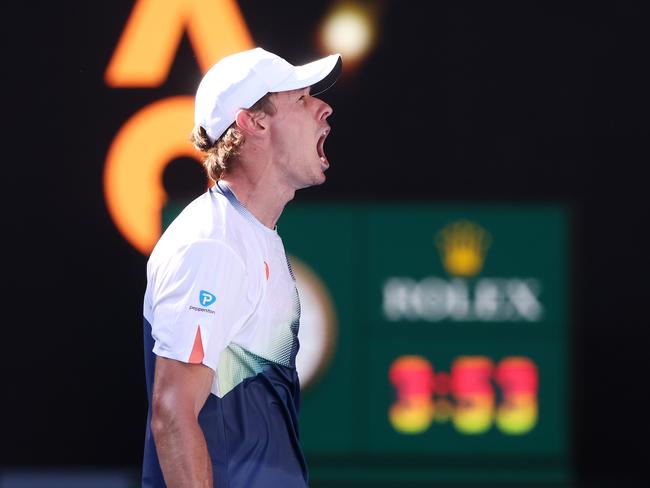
(324, 111)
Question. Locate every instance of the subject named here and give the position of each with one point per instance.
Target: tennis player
(221, 309)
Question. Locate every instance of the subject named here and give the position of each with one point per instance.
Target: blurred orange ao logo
(158, 133)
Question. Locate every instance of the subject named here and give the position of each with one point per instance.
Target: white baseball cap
(241, 79)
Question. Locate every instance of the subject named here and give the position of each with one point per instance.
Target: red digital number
(472, 408)
(473, 392)
(413, 379)
(517, 378)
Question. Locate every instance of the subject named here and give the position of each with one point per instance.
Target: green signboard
(433, 340)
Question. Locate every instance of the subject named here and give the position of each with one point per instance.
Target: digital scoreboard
(433, 340)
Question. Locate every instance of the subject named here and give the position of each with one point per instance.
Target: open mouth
(320, 148)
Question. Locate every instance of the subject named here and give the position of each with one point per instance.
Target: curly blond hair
(220, 155)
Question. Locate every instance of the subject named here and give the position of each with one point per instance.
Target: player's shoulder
(209, 221)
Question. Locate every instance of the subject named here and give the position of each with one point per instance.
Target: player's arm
(179, 392)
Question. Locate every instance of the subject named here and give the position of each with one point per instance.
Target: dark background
(521, 101)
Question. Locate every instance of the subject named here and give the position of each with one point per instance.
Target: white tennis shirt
(220, 291)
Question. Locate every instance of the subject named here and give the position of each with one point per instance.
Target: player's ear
(251, 122)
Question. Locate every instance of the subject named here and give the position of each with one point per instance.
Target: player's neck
(262, 197)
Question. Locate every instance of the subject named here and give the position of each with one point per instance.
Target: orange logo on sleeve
(196, 357)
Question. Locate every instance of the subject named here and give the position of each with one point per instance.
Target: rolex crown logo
(463, 245)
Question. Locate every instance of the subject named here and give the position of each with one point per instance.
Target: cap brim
(320, 75)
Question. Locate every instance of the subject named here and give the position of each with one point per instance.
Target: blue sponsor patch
(206, 298)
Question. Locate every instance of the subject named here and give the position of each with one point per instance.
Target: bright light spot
(349, 30)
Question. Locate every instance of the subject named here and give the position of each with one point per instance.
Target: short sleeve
(199, 301)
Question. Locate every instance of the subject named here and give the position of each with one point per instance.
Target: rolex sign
(433, 335)
(460, 295)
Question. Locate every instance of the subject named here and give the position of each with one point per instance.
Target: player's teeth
(322, 158)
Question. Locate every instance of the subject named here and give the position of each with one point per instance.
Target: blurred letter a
(153, 31)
